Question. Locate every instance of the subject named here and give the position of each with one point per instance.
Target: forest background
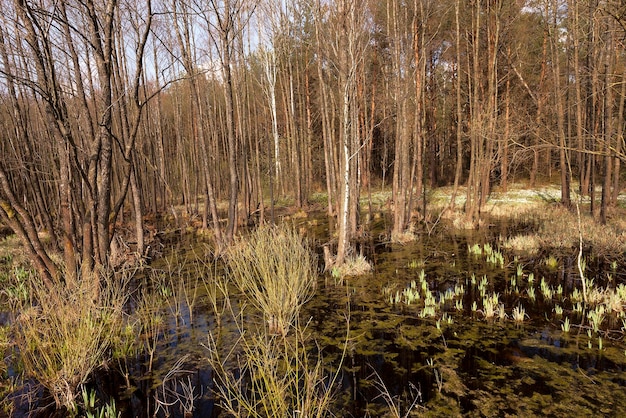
(117, 110)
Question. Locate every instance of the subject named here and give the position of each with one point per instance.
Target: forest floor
(548, 225)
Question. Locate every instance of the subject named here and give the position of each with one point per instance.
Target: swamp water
(441, 327)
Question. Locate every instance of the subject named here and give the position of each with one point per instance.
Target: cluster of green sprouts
(419, 292)
(571, 308)
(491, 255)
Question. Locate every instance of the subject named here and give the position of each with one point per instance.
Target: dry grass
(63, 335)
(557, 228)
(354, 265)
(404, 237)
(526, 244)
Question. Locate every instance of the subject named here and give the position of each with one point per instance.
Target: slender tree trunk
(619, 140)
(459, 108)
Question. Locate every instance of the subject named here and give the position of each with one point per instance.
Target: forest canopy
(117, 109)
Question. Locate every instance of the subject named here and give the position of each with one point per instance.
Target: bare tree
(83, 143)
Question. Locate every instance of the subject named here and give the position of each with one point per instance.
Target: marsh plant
(519, 314)
(551, 262)
(270, 375)
(63, 333)
(178, 287)
(216, 288)
(151, 322)
(491, 255)
(6, 383)
(275, 269)
(92, 410)
(398, 406)
(354, 265)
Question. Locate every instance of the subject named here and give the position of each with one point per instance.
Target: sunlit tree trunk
(459, 107)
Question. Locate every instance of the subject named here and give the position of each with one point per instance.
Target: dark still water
(447, 325)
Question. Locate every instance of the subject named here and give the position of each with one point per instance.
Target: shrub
(275, 269)
(267, 375)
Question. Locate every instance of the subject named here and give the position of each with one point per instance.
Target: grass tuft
(275, 269)
(63, 334)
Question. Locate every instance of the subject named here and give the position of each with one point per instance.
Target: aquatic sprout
(459, 290)
(520, 270)
(531, 293)
(482, 286)
(475, 249)
(578, 308)
(428, 311)
(490, 304)
(458, 305)
(531, 278)
(551, 262)
(559, 290)
(429, 299)
(496, 258)
(513, 281)
(576, 296)
(519, 313)
(415, 264)
(596, 317)
(614, 265)
(474, 306)
(600, 343)
(547, 292)
(488, 308)
(501, 312)
(565, 326)
(410, 295)
(91, 410)
(558, 310)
